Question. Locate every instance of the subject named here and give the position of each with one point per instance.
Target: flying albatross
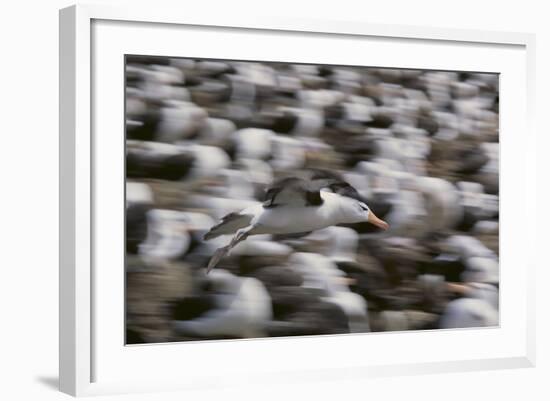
(295, 205)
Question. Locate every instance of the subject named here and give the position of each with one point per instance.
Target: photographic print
(275, 199)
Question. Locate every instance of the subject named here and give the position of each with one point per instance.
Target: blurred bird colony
(205, 138)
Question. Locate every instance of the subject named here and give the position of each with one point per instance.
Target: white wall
(28, 196)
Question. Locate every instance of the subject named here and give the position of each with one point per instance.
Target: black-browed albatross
(295, 205)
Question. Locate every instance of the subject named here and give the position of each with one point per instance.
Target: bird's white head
(354, 211)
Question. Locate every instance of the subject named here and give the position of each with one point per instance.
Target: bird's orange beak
(377, 222)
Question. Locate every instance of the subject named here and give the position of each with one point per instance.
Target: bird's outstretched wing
(334, 182)
(297, 191)
(293, 191)
(345, 189)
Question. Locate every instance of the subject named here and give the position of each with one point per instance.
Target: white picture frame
(79, 344)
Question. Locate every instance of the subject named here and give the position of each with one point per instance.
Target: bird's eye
(363, 207)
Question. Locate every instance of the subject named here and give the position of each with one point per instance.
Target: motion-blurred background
(206, 137)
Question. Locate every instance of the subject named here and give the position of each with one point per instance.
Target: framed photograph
(272, 200)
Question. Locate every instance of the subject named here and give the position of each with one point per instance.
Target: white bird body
(296, 219)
